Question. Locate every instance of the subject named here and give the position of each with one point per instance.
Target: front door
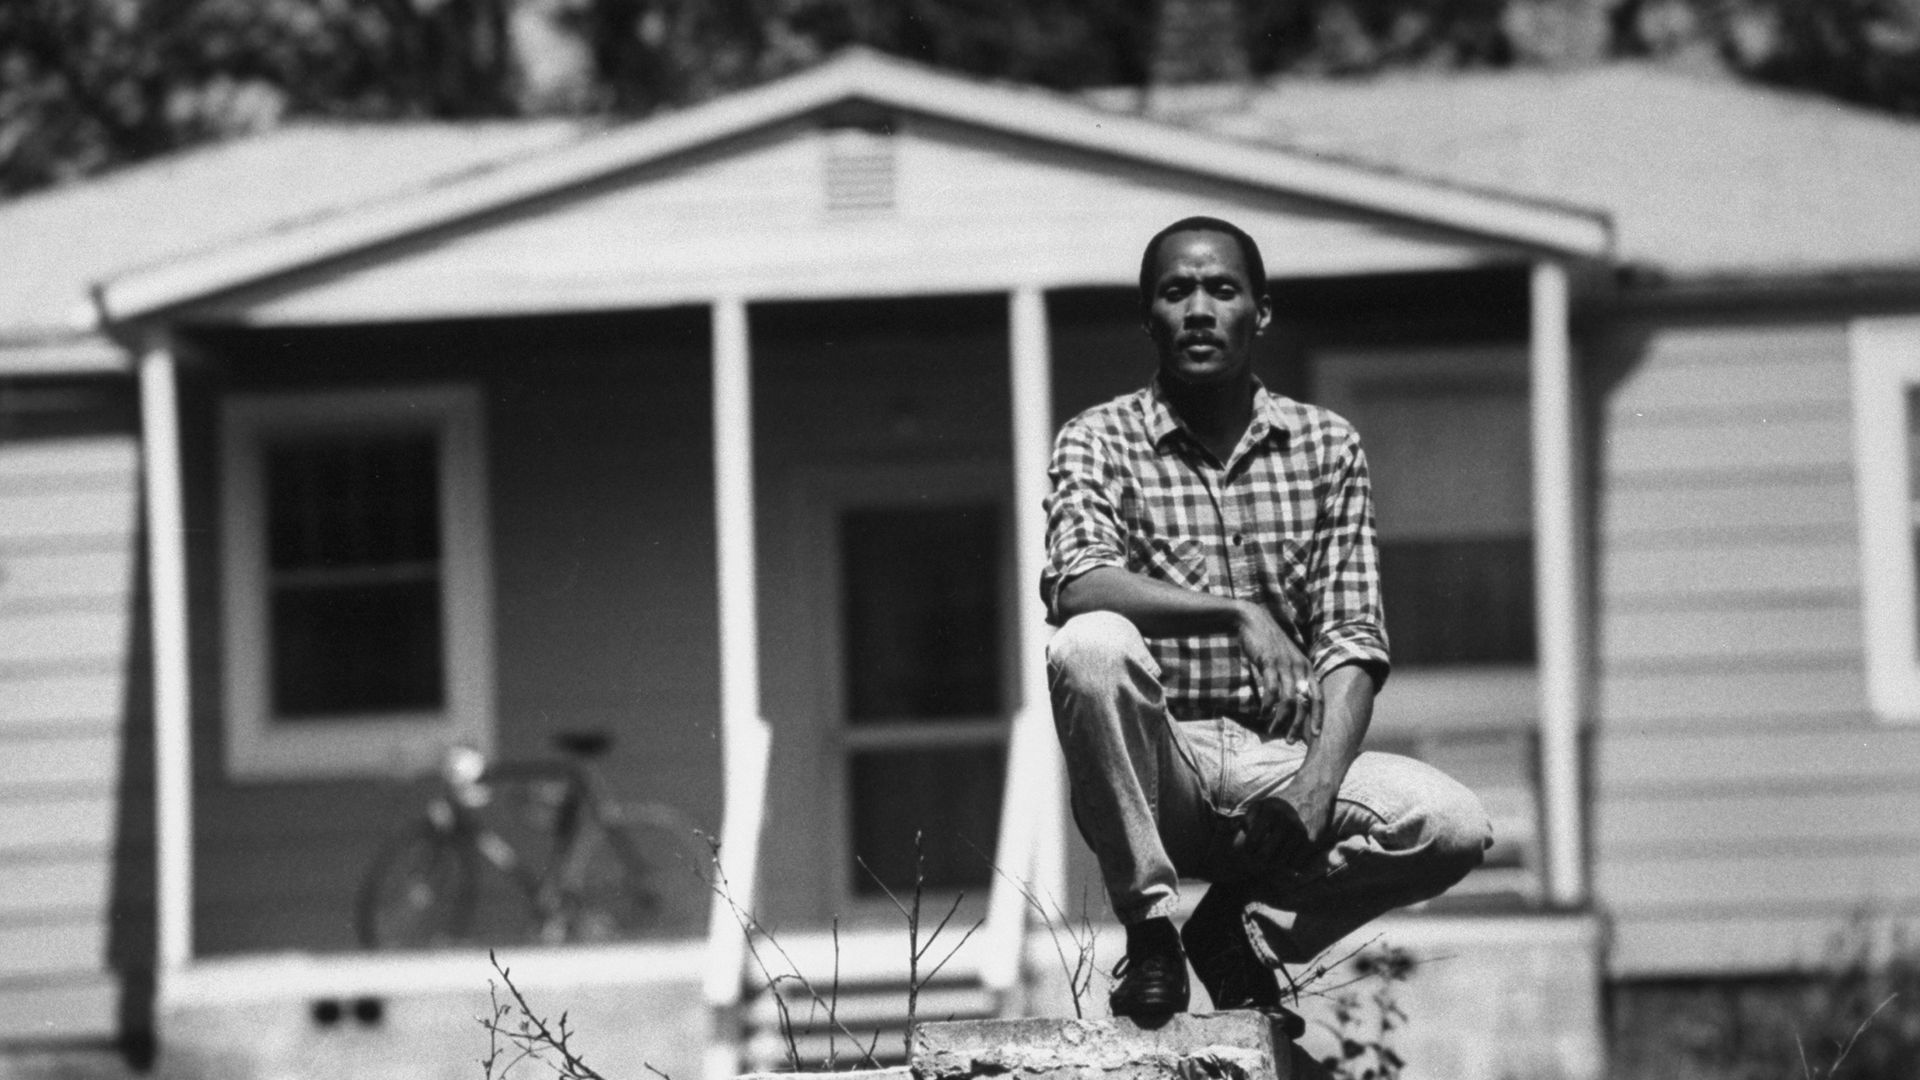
(918, 672)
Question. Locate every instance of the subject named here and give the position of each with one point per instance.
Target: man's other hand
(1291, 825)
(1291, 704)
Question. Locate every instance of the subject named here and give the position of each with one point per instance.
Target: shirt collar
(1269, 415)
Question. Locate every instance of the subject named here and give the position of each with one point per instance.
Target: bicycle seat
(583, 744)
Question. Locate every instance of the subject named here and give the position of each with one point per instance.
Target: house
(724, 413)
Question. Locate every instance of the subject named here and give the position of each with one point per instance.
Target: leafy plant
(1364, 1023)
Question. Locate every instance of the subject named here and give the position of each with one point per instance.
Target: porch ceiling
(978, 188)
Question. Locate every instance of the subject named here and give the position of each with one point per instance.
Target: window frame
(1886, 370)
(258, 748)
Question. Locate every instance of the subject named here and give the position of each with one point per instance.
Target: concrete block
(1187, 1046)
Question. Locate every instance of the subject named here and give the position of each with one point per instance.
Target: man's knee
(1459, 832)
(1096, 648)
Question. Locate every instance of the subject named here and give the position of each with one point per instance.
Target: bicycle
(456, 879)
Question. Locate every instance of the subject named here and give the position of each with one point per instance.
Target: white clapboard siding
(56, 465)
(1716, 444)
(87, 516)
(1801, 880)
(69, 511)
(1780, 695)
(1733, 383)
(1745, 799)
(89, 700)
(85, 758)
(1815, 506)
(1711, 570)
(1661, 761)
(67, 887)
(1652, 946)
(58, 638)
(32, 948)
(58, 1008)
(1767, 816)
(39, 823)
(1706, 635)
(51, 577)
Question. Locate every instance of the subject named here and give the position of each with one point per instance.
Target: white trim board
(1886, 373)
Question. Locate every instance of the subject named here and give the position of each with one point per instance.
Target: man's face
(1205, 313)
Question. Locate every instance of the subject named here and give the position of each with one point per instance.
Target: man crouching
(1213, 573)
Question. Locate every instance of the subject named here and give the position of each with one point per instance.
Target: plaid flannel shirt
(1286, 522)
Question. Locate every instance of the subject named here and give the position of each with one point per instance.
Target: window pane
(345, 649)
(921, 600)
(1459, 601)
(951, 796)
(353, 500)
(1450, 463)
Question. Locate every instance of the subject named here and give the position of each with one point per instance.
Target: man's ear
(1265, 317)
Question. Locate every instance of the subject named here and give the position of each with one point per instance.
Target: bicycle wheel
(418, 893)
(642, 879)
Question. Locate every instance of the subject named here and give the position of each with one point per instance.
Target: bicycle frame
(562, 788)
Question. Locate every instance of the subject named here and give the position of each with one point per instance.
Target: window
(1447, 443)
(358, 606)
(1886, 425)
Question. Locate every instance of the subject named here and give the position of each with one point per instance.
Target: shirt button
(1236, 539)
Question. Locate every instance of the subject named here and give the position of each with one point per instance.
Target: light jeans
(1159, 799)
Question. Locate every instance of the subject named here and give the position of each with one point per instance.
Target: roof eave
(1567, 232)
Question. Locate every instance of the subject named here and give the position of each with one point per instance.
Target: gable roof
(1702, 176)
(1699, 177)
(867, 77)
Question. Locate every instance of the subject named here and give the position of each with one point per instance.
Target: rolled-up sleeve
(1348, 625)
(1083, 523)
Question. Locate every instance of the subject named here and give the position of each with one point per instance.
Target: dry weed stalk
(1811, 1073)
(1081, 968)
(518, 1032)
(755, 933)
(915, 950)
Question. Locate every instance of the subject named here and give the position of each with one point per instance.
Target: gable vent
(859, 171)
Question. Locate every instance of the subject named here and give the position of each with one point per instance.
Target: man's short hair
(1249, 253)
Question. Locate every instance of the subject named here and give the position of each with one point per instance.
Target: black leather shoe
(1216, 942)
(1153, 985)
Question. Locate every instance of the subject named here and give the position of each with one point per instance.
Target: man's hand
(1291, 825)
(1290, 699)
(1294, 824)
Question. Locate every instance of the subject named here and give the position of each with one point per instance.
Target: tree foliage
(85, 84)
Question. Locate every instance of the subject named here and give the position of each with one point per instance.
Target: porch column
(1558, 581)
(1030, 854)
(743, 733)
(167, 628)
